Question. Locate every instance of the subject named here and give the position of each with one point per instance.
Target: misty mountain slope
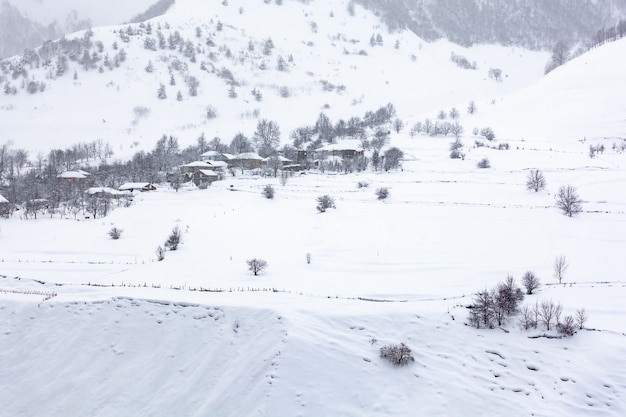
(327, 61)
(534, 24)
(29, 23)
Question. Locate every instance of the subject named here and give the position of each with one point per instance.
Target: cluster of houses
(213, 166)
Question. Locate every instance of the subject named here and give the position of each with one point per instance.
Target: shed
(137, 186)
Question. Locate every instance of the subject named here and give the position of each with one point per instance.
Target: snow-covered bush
(115, 233)
(382, 193)
(160, 253)
(484, 163)
(567, 326)
(174, 239)
(398, 355)
(325, 202)
(268, 192)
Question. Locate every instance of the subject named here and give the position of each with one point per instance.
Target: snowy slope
(581, 100)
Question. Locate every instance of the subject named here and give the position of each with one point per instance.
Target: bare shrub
(528, 319)
(174, 239)
(325, 202)
(211, 112)
(268, 192)
(567, 326)
(398, 355)
(484, 163)
(256, 265)
(363, 184)
(160, 253)
(530, 282)
(115, 233)
(382, 193)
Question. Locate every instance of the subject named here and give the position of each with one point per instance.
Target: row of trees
(496, 307)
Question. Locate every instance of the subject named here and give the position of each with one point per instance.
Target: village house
(137, 186)
(107, 192)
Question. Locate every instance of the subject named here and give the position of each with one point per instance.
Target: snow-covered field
(91, 326)
(303, 339)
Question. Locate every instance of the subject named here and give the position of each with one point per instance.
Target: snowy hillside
(91, 325)
(329, 65)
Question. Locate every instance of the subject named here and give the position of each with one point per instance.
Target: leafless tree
(568, 201)
(256, 265)
(536, 180)
(456, 129)
(549, 312)
(506, 297)
(530, 282)
(581, 318)
(527, 318)
(560, 266)
(471, 107)
(481, 311)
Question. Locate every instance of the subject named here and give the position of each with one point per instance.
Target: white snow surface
(95, 326)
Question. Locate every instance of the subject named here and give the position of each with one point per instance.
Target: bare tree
(256, 265)
(506, 297)
(581, 318)
(549, 312)
(568, 201)
(266, 137)
(471, 107)
(560, 266)
(527, 318)
(481, 311)
(535, 180)
(530, 282)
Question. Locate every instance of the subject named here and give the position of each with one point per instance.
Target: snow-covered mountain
(300, 59)
(534, 24)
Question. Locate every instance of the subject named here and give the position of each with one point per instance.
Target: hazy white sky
(99, 12)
